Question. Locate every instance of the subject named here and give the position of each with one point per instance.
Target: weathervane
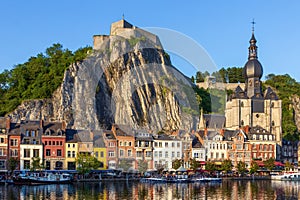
(253, 22)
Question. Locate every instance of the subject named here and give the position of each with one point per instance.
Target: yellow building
(71, 153)
(100, 149)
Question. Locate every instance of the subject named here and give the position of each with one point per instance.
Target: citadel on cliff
(116, 85)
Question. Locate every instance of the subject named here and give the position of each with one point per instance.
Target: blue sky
(222, 28)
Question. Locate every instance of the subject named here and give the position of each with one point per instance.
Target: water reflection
(126, 190)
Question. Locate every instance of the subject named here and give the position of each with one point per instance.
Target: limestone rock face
(127, 79)
(296, 107)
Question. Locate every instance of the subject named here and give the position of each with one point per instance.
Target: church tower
(251, 107)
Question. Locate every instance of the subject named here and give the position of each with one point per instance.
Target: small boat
(287, 177)
(47, 178)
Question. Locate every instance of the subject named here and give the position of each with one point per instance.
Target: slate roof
(98, 139)
(214, 121)
(196, 143)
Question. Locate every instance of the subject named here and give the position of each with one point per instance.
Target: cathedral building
(251, 107)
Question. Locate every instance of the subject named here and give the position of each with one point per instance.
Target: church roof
(214, 121)
(270, 94)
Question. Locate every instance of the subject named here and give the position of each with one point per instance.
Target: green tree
(210, 166)
(226, 165)
(142, 166)
(86, 163)
(177, 163)
(254, 167)
(192, 79)
(199, 77)
(241, 167)
(194, 164)
(35, 164)
(125, 164)
(13, 163)
(269, 164)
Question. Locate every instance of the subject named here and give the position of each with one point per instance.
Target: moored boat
(36, 178)
(287, 177)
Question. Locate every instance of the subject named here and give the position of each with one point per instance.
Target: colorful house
(126, 150)
(71, 150)
(31, 146)
(53, 139)
(111, 149)
(144, 147)
(3, 145)
(99, 150)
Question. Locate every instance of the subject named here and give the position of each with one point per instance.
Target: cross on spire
(253, 23)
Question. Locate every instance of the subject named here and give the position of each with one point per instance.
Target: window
(173, 144)
(73, 145)
(121, 153)
(2, 152)
(46, 142)
(111, 144)
(48, 153)
(27, 133)
(139, 154)
(111, 154)
(160, 154)
(173, 154)
(26, 164)
(166, 154)
(69, 154)
(120, 143)
(36, 153)
(155, 144)
(26, 153)
(239, 147)
(129, 144)
(178, 144)
(14, 142)
(73, 154)
(32, 133)
(53, 142)
(96, 154)
(129, 153)
(148, 153)
(57, 143)
(101, 154)
(155, 154)
(160, 144)
(178, 154)
(69, 145)
(2, 164)
(60, 143)
(1, 140)
(196, 155)
(14, 152)
(58, 152)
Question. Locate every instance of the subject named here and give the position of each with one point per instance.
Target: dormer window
(48, 132)
(59, 132)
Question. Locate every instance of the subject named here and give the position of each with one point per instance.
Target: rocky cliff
(127, 79)
(296, 107)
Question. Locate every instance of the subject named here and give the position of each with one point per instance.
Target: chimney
(222, 132)
(41, 124)
(91, 136)
(8, 123)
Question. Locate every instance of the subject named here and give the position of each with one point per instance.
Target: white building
(166, 149)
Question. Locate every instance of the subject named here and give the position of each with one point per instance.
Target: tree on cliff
(38, 77)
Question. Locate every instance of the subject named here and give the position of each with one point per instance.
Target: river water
(261, 189)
